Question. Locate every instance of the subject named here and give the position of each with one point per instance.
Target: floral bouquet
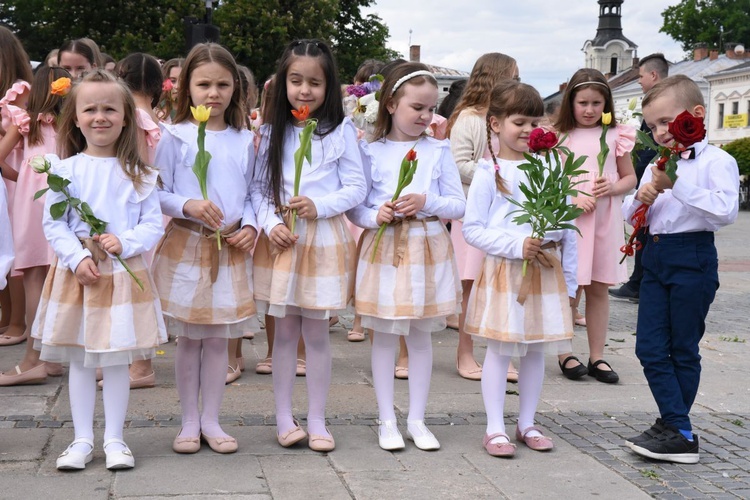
(362, 102)
(686, 130)
(203, 157)
(405, 176)
(58, 184)
(303, 152)
(549, 185)
(629, 116)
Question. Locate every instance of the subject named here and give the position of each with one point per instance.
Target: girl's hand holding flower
(87, 272)
(410, 204)
(109, 243)
(243, 239)
(205, 211)
(385, 213)
(282, 237)
(304, 206)
(531, 247)
(602, 188)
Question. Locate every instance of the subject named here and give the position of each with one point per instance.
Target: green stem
(85, 218)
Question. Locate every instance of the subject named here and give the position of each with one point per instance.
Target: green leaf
(40, 193)
(58, 209)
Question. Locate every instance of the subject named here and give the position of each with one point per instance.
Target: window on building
(736, 108)
(721, 116)
(613, 65)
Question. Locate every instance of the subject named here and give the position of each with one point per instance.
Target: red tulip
(302, 114)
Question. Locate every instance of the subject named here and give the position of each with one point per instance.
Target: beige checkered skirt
(111, 322)
(314, 278)
(202, 285)
(413, 282)
(543, 321)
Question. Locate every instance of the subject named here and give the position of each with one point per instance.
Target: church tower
(610, 51)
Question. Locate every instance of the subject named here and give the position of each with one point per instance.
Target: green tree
(740, 150)
(256, 32)
(153, 26)
(359, 38)
(712, 22)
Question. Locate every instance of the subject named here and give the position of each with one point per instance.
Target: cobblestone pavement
(589, 422)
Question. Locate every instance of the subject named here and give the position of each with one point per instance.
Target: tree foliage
(359, 38)
(255, 31)
(740, 150)
(712, 22)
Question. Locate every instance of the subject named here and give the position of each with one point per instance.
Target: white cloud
(544, 36)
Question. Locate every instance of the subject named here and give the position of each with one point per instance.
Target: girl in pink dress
(588, 96)
(15, 75)
(142, 74)
(35, 130)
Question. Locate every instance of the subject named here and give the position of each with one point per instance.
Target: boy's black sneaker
(648, 434)
(670, 446)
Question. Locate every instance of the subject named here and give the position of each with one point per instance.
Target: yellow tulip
(201, 113)
(606, 118)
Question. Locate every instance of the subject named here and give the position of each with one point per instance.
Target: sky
(544, 36)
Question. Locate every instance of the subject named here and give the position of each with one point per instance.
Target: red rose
(539, 140)
(411, 155)
(687, 129)
(166, 85)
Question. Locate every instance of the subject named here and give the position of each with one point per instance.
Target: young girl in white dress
(306, 276)
(542, 321)
(412, 284)
(92, 313)
(205, 291)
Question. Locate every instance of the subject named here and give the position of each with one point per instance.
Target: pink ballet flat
(537, 443)
(507, 449)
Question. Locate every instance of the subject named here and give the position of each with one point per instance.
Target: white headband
(591, 82)
(408, 77)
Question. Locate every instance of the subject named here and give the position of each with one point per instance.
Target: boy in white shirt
(680, 267)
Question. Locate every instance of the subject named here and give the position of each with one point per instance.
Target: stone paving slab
(588, 421)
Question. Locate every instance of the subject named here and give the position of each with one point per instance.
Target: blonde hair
(489, 69)
(680, 87)
(71, 141)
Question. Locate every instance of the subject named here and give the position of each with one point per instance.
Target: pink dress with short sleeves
(603, 230)
(29, 242)
(14, 158)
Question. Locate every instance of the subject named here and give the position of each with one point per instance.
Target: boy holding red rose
(686, 207)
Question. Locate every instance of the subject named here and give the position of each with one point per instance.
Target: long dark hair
(142, 74)
(330, 114)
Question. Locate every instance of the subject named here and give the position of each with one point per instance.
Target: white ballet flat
(389, 437)
(120, 459)
(425, 440)
(75, 460)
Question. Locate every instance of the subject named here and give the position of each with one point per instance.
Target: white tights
(115, 395)
(318, 378)
(384, 347)
(494, 375)
(201, 373)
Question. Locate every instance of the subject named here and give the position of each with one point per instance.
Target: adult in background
(651, 70)
(467, 131)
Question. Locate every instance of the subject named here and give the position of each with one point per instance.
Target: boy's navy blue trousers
(680, 279)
